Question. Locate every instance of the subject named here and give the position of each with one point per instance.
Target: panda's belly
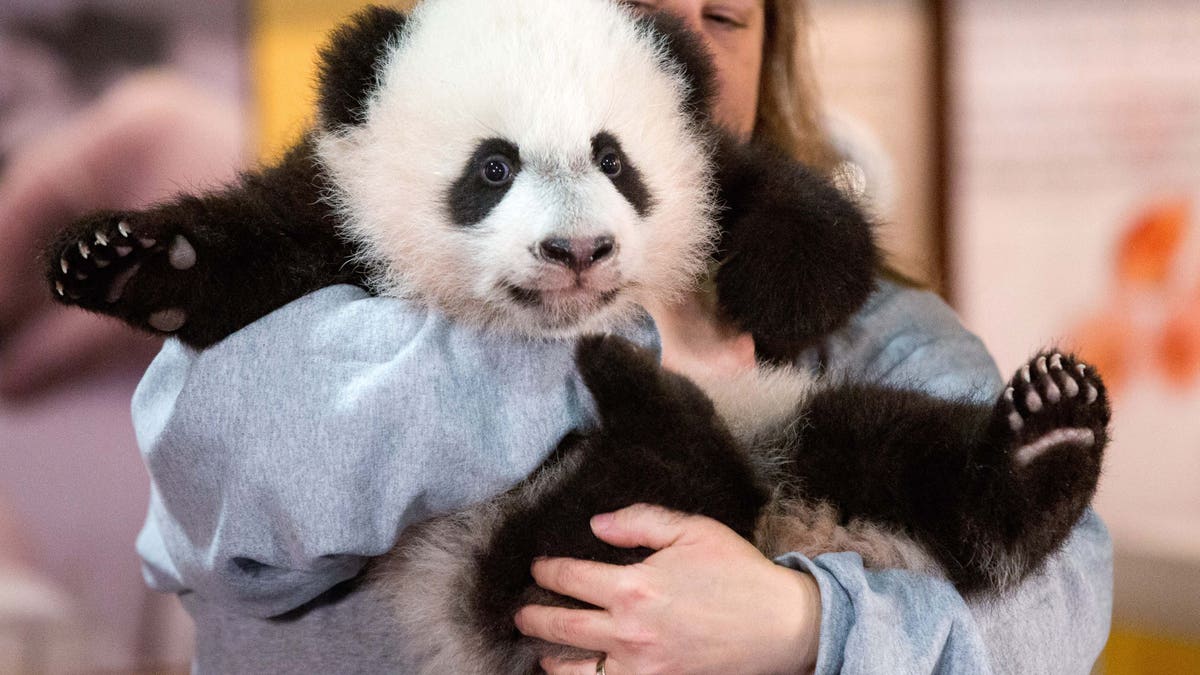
(764, 409)
(760, 406)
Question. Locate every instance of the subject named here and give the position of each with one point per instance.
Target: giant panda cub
(543, 168)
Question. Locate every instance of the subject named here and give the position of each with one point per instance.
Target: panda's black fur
(980, 493)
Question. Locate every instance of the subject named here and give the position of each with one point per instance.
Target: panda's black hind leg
(1047, 436)
(990, 490)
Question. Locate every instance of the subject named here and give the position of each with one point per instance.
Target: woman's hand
(706, 602)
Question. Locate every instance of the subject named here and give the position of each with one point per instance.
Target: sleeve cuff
(837, 616)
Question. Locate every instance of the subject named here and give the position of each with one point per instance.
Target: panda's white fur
(547, 76)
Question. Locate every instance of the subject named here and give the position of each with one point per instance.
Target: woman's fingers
(584, 628)
(592, 582)
(705, 601)
(653, 527)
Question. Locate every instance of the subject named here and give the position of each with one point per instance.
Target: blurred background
(1036, 161)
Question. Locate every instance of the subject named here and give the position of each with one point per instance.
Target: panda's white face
(527, 165)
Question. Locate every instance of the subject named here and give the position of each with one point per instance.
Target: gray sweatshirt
(286, 456)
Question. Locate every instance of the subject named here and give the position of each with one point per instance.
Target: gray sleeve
(910, 338)
(286, 455)
(897, 621)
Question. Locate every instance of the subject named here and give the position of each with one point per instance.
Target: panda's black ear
(350, 62)
(688, 50)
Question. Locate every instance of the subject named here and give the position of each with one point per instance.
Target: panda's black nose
(578, 254)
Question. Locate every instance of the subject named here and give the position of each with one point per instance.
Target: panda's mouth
(575, 298)
(535, 298)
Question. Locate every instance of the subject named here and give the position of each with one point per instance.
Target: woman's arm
(284, 456)
(1056, 621)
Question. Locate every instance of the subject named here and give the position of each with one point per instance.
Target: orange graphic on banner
(1154, 306)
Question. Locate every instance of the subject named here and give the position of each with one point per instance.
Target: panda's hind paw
(1054, 404)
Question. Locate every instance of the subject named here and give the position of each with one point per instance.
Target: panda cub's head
(534, 165)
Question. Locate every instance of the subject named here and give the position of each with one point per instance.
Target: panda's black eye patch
(612, 162)
(486, 177)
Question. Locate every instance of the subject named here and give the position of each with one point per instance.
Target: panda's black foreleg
(990, 491)
(203, 267)
(797, 257)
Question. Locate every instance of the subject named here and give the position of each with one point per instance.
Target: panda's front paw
(101, 263)
(633, 393)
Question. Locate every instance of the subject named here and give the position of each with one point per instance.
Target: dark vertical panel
(942, 109)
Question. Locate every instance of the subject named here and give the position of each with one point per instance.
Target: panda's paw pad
(98, 262)
(168, 320)
(1053, 403)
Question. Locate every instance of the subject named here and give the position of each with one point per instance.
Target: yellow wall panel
(1131, 652)
(285, 37)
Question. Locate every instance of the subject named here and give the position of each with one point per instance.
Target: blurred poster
(57, 56)
(1076, 220)
(73, 73)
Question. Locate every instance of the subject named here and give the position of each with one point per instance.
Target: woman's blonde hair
(789, 114)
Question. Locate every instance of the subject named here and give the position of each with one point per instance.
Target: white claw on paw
(1052, 393)
(1081, 368)
(181, 255)
(1092, 394)
(1056, 362)
(147, 242)
(1008, 394)
(1033, 401)
(123, 251)
(1015, 421)
(1041, 365)
(58, 288)
(168, 320)
(84, 250)
(1071, 387)
(123, 228)
(101, 239)
(1025, 372)
(62, 263)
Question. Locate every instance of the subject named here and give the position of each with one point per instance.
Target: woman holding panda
(709, 602)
